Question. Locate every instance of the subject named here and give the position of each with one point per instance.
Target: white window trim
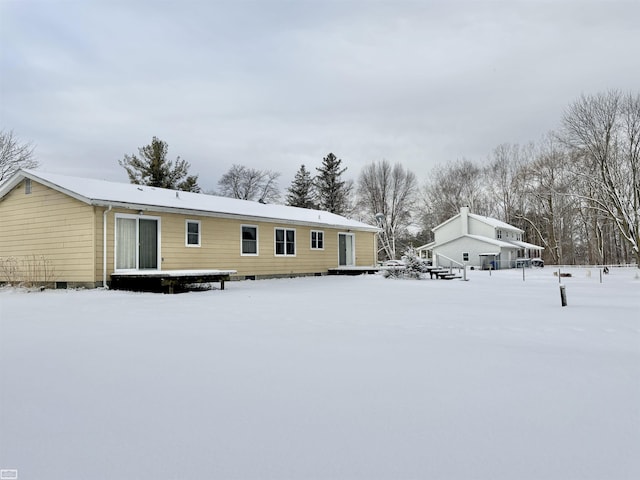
(27, 186)
(186, 234)
(115, 240)
(311, 239)
(295, 242)
(242, 254)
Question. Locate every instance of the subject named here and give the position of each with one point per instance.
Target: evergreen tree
(301, 192)
(333, 192)
(153, 169)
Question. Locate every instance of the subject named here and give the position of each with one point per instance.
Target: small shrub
(28, 271)
(413, 266)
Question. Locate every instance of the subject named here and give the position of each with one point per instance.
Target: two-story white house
(474, 240)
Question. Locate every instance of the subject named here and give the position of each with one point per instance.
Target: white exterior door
(346, 250)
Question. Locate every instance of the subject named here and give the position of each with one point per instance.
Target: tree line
(576, 192)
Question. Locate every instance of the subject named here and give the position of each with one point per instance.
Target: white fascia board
(21, 175)
(479, 238)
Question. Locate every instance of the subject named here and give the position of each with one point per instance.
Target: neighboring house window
(499, 234)
(27, 186)
(465, 256)
(249, 240)
(317, 240)
(193, 233)
(285, 241)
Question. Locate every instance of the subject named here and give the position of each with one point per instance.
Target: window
(249, 240)
(285, 241)
(27, 186)
(465, 256)
(317, 240)
(192, 233)
(499, 234)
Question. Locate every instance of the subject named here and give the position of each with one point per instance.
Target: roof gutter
(104, 247)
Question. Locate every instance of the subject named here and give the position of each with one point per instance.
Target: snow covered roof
(492, 241)
(494, 222)
(526, 245)
(104, 193)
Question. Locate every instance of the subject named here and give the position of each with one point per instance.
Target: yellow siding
(220, 246)
(67, 234)
(47, 230)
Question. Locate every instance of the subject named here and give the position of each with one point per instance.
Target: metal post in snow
(600, 275)
(563, 295)
(523, 272)
(559, 277)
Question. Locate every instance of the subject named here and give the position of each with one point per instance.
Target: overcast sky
(276, 84)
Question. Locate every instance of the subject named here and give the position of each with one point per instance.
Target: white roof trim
(480, 238)
(522, 244)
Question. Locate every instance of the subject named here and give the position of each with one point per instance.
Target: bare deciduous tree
(549, 207)
(604, 132)
(387, 195)
(504, 180)
(452, 186)
(14, 155)
(250, 184)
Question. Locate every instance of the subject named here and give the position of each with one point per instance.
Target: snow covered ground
(329, 377)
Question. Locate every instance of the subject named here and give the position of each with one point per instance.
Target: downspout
(104, 247)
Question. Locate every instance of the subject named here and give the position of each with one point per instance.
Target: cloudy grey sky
(278, 83)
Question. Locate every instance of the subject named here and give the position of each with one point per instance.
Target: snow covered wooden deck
(167, 280)
(352, 270)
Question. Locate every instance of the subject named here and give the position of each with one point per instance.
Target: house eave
(207, 213)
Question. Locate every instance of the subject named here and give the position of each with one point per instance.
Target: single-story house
(72, 231)
(484, 242)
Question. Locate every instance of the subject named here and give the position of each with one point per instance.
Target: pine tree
(333, 193)
(301, 192)
(153, 168)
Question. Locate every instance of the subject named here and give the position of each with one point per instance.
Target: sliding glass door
(137, 243)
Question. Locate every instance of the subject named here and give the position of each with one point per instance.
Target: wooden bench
(441, 273)
(166, 280)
